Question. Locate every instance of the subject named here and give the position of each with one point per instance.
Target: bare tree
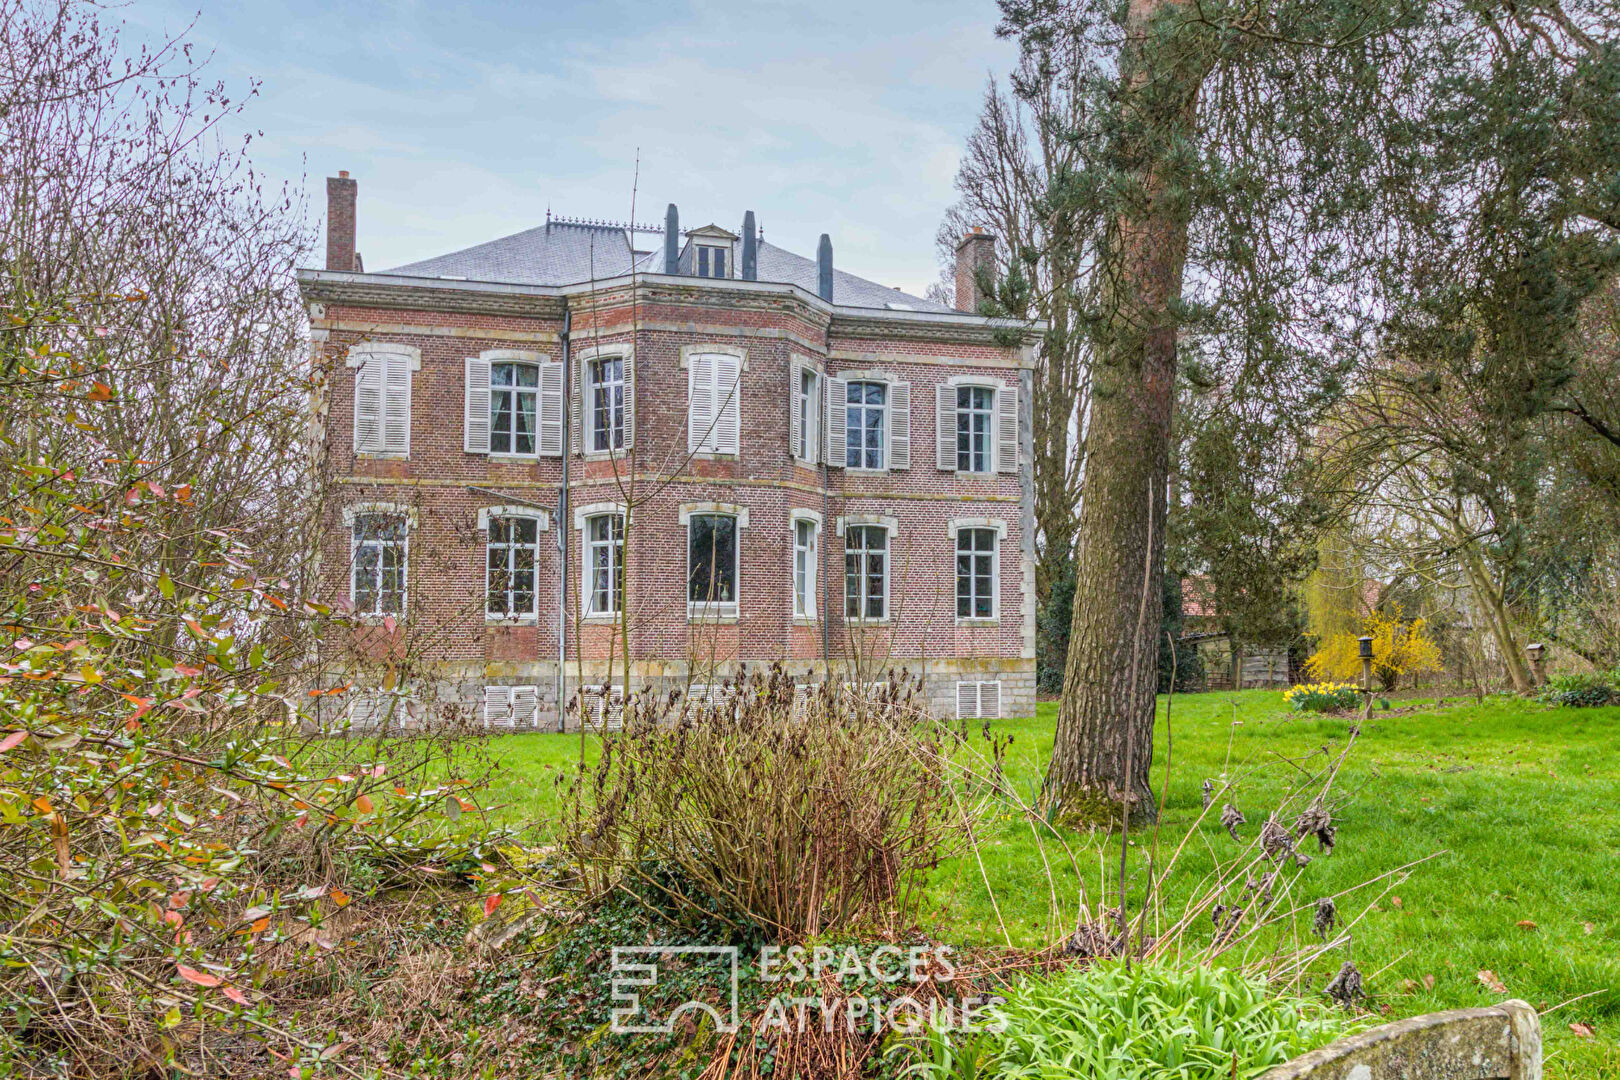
(1020, 153)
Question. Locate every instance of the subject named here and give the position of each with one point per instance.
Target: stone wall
(453, 693)
(1500, 1042)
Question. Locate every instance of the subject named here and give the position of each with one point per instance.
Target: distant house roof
(565, 253)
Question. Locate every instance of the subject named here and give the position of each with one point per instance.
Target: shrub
(1153, 1022)
(808, 809)
(1400, 647)
(1323, 697)
(1579, 690)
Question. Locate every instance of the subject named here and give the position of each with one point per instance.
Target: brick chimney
(340, 197)
(978, 248)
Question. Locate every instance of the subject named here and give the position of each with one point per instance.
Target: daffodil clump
(1323, 697)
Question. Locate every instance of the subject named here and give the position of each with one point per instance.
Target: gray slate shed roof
(562, 253)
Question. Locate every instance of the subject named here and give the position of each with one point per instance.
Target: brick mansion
(589, 440)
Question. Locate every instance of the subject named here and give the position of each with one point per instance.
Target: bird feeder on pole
(1365, 643)
(1537, 653)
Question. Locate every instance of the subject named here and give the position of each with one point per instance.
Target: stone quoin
(818, 470)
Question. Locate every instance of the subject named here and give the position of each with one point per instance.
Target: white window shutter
(837, 420)
(368, 405)
(497, 706)
(899, 425)
(551, 410)
(1007, 429)
(945, 425)
(967, 700)
(700, 404)
(812, 453)
(525, 706)
(796, 447)
(397, 404)
(728, 397)
(629, 368)
(475, 427)
(575, 442)
(990, 700)
(610, 708)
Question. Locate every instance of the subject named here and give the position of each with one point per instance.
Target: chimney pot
(341, 194)
(977, 249)
(824, 280)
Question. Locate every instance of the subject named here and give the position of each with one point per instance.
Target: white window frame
(883, 418)
(889, 526)
(408, 515)
(989, 413)
(359, 357)
(805, 601)
(714, 610)
(542, 522)
(593, 388)
(515, 392)
(1004, 418)
(582, 521)
(614, 547)
(581, 414)
(999, 527)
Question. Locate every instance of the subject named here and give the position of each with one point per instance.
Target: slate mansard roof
(566, 253)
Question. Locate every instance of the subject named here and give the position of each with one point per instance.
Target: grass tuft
(1153, 1022)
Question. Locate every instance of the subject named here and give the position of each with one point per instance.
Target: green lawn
(1518, 805)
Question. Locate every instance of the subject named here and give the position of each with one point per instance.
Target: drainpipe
(826, 506)
(563, 523)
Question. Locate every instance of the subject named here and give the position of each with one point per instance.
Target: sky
(466, 122)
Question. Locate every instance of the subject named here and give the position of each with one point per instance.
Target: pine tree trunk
(1106, 715)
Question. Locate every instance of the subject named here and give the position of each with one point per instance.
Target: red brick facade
(449, 650)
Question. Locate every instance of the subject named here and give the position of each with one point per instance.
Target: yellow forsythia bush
(1400, 647)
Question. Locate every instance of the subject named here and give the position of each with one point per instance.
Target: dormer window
(711, 261)
(711, 252)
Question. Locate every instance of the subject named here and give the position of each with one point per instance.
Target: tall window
(867, 402)
(512, 391)
(809, 413)
(804, 568)
(514, 548)
(976, 573)
(712, 563)
(604, 559)
(607, 403)
(377, 584)
(866, 572)
(974, 407)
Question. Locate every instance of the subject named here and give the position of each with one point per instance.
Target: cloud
(464, 122)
